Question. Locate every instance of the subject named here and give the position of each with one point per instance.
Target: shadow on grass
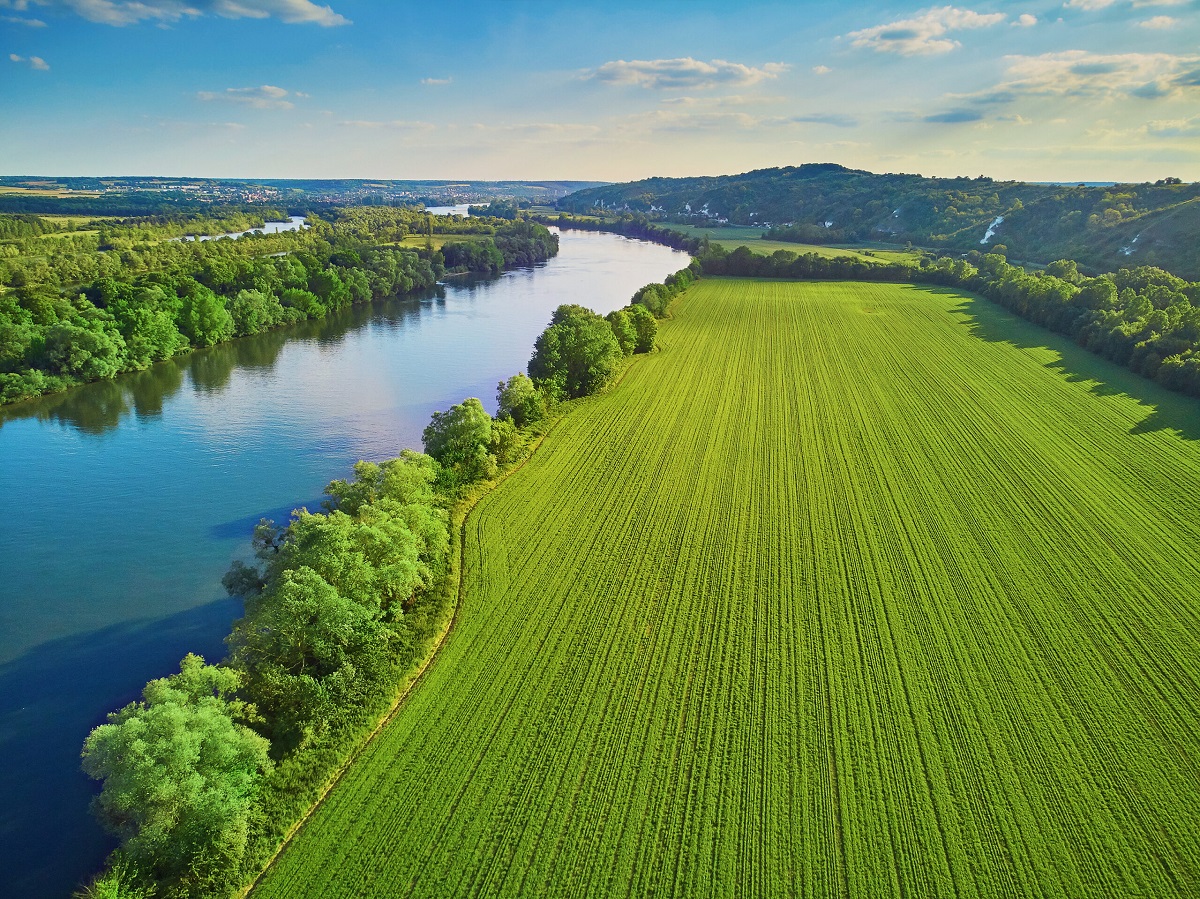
(1166, 410)
(50, 699)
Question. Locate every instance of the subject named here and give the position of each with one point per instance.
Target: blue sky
(1076, 90)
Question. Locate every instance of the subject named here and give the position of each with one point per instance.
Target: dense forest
(85, 300)
(1102, 228)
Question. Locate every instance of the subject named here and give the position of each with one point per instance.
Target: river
(127, 500)
(294, 223)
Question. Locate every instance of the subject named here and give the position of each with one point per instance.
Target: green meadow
(851, 590)
(733, 236)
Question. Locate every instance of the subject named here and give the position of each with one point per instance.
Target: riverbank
(209, 444)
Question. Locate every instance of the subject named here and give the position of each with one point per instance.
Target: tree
(577, 355)
(519, 399)
(204, 320)
(507, 444)
(623, 329)
(458, 438)
(310, 654)
(180, 777)
(86, 349)
(254, 311)
(645, 327)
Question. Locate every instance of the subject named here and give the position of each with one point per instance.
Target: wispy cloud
(1174, 128)
(925, 33)
(1079, 73)
(687, 73)
(34, 62)
(130, 12)
(20, 20)
(267, 96)
(1094, 5)
(1159, 23)
(821, 70)
(1025, 21)
(437, 81)
(393, 124)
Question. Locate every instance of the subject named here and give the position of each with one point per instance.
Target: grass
(420, 241)
(851, 590)
(733, 236)
(57, 192)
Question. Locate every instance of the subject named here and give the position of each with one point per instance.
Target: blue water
(127, 500)
(294, 223)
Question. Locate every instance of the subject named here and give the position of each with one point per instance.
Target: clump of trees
(656, 298)
(182, 772)
(203, 775)
(577, 355)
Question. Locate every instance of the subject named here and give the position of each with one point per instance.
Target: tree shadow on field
(1166, 410)
(50, 699)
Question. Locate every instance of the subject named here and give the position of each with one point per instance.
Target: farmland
(733, 236)
(852, 590)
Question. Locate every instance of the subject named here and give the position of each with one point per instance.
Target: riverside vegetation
(204, 776)
(83, 305)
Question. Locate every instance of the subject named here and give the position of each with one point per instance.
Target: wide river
(127, 500)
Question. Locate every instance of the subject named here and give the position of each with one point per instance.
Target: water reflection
(103, 405)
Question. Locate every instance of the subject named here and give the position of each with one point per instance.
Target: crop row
(852, 590)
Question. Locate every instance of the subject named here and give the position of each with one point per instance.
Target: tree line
(81, 313)
(628, 225)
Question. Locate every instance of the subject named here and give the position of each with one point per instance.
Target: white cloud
(1159, 23)
(1078, 73)
(1088, 5)
(1083, 73)
(34, 62)
(436, 81)
(684, 73)
(131, 12)
(267, 96)
(1026, 21)
(18, 20)
(924, 34)
(1174, 128)
(822, 70)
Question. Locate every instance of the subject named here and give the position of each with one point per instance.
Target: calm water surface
(127, 500)
(294, 223)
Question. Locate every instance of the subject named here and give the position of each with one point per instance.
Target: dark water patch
(50, 698)
(238, 528)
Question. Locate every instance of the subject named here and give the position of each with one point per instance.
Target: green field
(734, 236)
(851, 590)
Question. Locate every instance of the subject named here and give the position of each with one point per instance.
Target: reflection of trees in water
(210, 370)
(101, 406)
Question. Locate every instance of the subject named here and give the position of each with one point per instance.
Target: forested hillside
(1103, 228)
